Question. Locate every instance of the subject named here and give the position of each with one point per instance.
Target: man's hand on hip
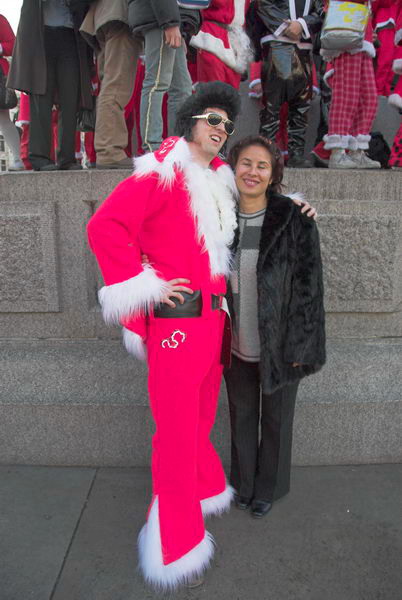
(173, 37)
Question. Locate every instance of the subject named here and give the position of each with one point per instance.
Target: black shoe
(259, 508)
(71, 167)
(241, 502)
(48, 167)
(299, 162)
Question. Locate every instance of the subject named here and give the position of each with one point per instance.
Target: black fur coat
(290, 295)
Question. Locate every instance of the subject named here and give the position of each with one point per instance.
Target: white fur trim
(336, 141)
(397, 66)
(254, 83)
(133, 296)
(362, 141)
(237, 56)
(353, 144)
(384, 24)
(367, 47)
(395, 100)
(168, 577)
(216, 505)
(329, 74)
(134, 344)
(239, 14)
(212, 198)
(306, 33)
(398, 37)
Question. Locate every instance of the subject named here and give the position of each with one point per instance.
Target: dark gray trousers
(62, 87)
(261, 428)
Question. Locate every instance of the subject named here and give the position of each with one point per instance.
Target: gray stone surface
(337, 536)
(85, 403)
(39, 510)
(28, 270)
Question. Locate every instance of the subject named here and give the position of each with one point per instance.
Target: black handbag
(8, 98)
(86, 119)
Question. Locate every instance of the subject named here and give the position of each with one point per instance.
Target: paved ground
(69, 534)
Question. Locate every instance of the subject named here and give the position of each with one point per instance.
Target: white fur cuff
(133, 296)
(168, 577)
(134, 344)
(395, 100)
(216, 505)
(336, 141)
(397, 66)
(362, 141)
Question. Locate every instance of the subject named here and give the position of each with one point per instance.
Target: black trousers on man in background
(260, 464)
(286, 77)
(62, 88)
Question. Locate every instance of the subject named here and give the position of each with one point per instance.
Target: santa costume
(395, 99)
(384, 20)
(223, 48)
(182, 216)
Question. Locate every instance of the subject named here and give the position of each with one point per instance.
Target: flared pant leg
(182, 356)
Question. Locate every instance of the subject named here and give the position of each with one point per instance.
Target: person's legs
(41, 109)
(180, 87)
(385, 56)
(276, 71)
(12, 139)
(159, 64)
(275, 450)
(243, 388)
(68, 82)
(299, 99)
(175, 522)
(118, 64)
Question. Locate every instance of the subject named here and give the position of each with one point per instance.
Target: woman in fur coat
(276, 301)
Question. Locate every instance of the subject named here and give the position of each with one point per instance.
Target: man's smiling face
(208, 139)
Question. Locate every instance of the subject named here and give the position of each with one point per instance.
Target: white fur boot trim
(362, 141)
(134, 344)
(397, 66)
(133, 296)
(395, 100)
(353, 143)
(168, 577)
(216, 505)
(336, 141)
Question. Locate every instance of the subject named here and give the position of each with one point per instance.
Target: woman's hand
(175, 289)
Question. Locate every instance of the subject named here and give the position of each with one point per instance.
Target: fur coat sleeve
(290, 296)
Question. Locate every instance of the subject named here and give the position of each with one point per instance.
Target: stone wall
(71, 395)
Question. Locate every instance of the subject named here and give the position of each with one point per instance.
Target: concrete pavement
(70, 534)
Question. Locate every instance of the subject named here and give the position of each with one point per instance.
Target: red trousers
(188, 478)
(354, 95)
(211, 68)
(385, 57)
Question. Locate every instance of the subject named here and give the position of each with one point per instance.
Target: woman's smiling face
(253, 171)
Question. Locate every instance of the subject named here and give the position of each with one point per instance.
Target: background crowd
(91, 72)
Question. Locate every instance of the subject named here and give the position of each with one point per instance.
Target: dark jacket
(28, 65)
(144, 15)
(273, 12)
(290, 295)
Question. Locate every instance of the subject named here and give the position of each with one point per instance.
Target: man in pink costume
(223, 48)
(178, 208)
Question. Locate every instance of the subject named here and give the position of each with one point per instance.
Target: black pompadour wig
(214, 94)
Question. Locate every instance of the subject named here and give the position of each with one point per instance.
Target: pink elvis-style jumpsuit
(184, 227)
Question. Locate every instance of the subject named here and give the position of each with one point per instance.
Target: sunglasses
(214, 119)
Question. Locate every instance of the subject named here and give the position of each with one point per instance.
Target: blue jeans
(165, 71)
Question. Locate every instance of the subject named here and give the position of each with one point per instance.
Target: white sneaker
(362, 161)
(340, 160)
(16, 165)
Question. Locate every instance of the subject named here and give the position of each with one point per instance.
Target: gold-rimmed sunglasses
(214, 119)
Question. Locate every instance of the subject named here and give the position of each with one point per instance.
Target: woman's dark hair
(274, 154)
(214, 94)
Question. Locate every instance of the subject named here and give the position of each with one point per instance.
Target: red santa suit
(222, 44)
(395, 99)
(384, 20)
(182, 216)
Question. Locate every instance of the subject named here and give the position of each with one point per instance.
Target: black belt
(191, 308)
(223, 25)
